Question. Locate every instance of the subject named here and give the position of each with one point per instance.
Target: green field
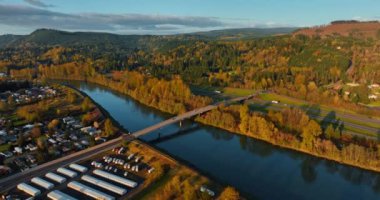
(238, 91)
(282, 99)
(374, 104)
(313, 110)
(4, 147)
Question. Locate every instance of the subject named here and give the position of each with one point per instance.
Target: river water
(257, 169)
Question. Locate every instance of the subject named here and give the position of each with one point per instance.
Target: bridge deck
(188, 115)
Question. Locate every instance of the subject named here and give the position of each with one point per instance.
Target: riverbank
(179, 166)
(286, 139)
(365, 166)
(254, 167)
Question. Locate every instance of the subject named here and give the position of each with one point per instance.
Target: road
(11, 181)
(338, 115)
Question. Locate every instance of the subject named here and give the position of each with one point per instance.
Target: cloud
(38, 3)
(23, 17)
(32, 17)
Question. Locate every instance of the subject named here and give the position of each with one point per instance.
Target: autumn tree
(310, 133)
(3, 106)
(86, 104)
(244, 118)
(332, 133)
(41, 143)
(229, 193)
(71, 97)
(109, 129)
(35, 132)
(11, 101)
(188, 191)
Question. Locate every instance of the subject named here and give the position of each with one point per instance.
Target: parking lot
(113, 175)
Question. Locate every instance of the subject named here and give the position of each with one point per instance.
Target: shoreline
(175, 159)
(296, 149)
(257, 138)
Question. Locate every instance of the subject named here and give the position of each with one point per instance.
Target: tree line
(292, 128)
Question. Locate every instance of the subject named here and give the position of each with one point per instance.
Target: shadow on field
(313, 111)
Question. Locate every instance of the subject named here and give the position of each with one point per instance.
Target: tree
(53, 124)
(35, 132)
(41, 143)
(11, 100)
(244, 118)
(188, 191)
(3, 106)
(329, 132)
(109, 130)
(21, 140)
(299, 80)
(229, 193)
(71, 97)
(311, 87)
(86, 104)
(309, 134)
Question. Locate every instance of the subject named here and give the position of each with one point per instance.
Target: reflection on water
(256, 168)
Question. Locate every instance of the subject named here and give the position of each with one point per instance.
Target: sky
(176, 16)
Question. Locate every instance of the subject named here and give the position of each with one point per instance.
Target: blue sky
(176, 16)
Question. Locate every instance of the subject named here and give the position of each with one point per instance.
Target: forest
(310, 68)
(292, 128)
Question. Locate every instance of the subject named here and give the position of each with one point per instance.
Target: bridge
(189, 114)
(10, 182)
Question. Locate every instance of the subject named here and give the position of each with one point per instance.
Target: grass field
(148, 192)
(238, 91)
(316, 113)
(4, 147)
(374, 104)
(313, 110)
(282, 99)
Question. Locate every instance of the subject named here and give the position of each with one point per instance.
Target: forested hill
(244, 33)
(295, 63)
(49, 37)
(369, 29)
(7, 40)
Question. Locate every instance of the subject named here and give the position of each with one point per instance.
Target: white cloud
(27, 17)
(38, 3)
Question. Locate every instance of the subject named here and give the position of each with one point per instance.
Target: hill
(244, 33)
(344, 28)
(49, 38)
(6, 40)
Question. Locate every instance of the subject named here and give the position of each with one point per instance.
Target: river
(257, 169)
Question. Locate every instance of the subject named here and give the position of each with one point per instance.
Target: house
(18, 150)
(372, 96)
(68, 119)
(6, 154)
(373, 86)
(353, 84)
(3, 133)
(52, 141)
(31, 147)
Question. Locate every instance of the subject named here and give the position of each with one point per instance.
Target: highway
(343, 117)
(9, 182)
